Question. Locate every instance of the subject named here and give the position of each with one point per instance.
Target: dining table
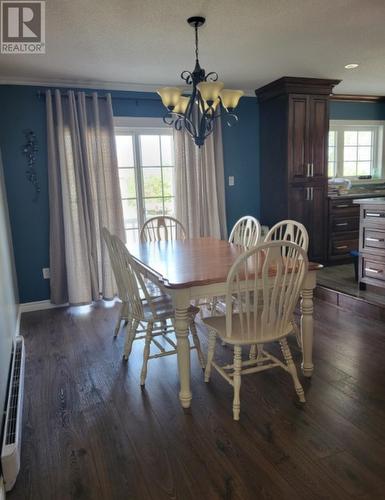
(197, 268)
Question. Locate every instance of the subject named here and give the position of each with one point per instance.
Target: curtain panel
(84, 196)
(200, 184)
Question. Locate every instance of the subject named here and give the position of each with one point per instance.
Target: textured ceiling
(248, 42)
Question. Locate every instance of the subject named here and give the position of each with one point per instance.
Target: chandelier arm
(187, 77)
(212, 76)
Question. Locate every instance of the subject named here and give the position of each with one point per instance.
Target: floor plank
(90, 432)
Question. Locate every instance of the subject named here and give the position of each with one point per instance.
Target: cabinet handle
(312, 170)
(342, 247)
(373, 214)
(342, 224)
(371, 270)
(312, 193)
(378, 240)
(308, 170)
(342, 206)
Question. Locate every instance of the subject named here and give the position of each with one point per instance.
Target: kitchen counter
(371, 201)
(358, 195)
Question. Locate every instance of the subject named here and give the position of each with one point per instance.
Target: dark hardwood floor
(91, 433)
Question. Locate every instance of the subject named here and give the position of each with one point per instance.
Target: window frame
(135, 127)
(377, 160)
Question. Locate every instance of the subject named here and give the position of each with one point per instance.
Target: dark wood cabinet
(294, 125)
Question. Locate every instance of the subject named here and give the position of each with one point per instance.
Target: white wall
(8, 294)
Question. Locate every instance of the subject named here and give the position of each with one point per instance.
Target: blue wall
(21, 109)
(340, 110)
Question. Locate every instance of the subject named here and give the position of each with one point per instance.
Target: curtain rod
(40, 94)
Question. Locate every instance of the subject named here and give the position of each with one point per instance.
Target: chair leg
(213, 305)
(197, 344)
(210, 354)
(292, 369)
(253, 352)
(117, 327)
(237, 381)
(130, 335)
(146, 353)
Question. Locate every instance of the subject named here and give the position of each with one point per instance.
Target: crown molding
(357, 98)
(90, 84)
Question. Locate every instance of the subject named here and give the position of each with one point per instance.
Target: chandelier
(208, 100)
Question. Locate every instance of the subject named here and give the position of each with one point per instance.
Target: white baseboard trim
(39, 305)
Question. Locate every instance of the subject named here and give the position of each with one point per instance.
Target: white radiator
(10, 452)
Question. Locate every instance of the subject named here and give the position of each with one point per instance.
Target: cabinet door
(307, 204)
(298, 133)
(317, 222)
(318, 136)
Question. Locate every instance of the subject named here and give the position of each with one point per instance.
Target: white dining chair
(290, 230)
(162, 227)
(142, 308)
(266, 281)
(246, 232)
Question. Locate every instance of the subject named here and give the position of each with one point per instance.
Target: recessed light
(351, 66)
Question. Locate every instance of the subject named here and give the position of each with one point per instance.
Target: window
(355, 149)
(146, 173)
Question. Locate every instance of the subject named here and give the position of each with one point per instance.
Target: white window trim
(378, 126)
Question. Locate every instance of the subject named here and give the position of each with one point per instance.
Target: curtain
(200, 185)
(84, 196)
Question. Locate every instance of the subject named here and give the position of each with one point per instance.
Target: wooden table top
(190, 262)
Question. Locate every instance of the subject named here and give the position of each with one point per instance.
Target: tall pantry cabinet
(294, 125)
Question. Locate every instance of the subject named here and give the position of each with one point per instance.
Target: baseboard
(2, 489)
(39, 305)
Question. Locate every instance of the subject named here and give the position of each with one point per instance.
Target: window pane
(132, 236)
(365, 138)
(167, 150)
(124, 150)
(130, 213)
(168, 181)
(150, 150)
(332, 138)
(363, 168)
(153, 206)
(331, 153)
(331, 169)
(152, 182)
(169, 206)
(127, 182)
(350, 138)
(350, 153)
(350, 168)
(364, 153)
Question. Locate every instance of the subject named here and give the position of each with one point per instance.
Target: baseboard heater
(10, 452)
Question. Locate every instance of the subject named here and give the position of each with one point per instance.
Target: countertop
(358, 194)
(371, 201)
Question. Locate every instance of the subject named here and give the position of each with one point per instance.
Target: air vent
(10, 453)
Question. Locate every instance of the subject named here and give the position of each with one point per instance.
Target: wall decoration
(30, 150)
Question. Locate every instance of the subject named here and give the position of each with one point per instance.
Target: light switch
(231, 180)
(46, 273)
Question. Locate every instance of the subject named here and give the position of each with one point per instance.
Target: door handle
(342, 224)
(378, 240)
(371, 270)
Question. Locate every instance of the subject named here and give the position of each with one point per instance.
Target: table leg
(182, 322)
(307, 331)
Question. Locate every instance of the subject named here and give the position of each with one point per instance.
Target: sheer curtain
(200, 185)
(84, 195)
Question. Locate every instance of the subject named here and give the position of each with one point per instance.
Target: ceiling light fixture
(351, 66)
(208, 100)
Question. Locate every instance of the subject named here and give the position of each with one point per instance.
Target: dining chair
(142, 308)
(162, 227)
(246, 232)
(290, 230)
(276, 269)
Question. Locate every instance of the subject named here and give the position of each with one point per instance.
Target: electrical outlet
(46, 273)
(231, 180)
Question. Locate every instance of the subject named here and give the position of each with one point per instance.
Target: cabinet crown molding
(296, 85)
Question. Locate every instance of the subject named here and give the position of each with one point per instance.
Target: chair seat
(218, 323)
